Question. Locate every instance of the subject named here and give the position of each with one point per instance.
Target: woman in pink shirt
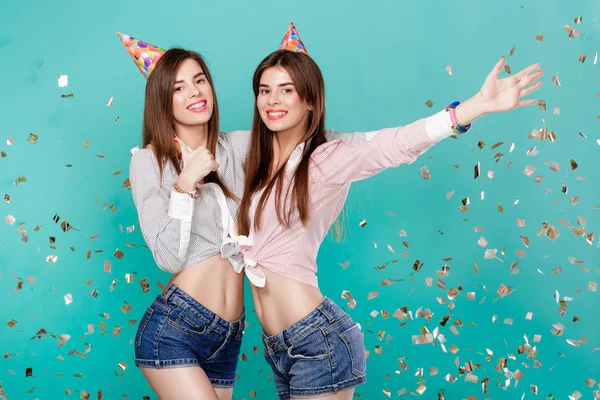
(296, 184)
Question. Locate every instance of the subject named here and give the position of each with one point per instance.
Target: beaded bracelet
(451, 108)
(194, 195)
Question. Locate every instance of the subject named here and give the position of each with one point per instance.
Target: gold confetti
(126, 308)
(351, 302)
(582, 58)
(542, 105)
(20, 179)
(555, 81)
(539, 38)
(66, 96)
(119, 254)
(425, 172)
(429, 103)
(32, 138)
(573, 164)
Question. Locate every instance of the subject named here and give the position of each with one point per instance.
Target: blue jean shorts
(176, 331)
(323, 353)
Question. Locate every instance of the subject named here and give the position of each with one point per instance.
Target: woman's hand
(497, 95)
(196, 165)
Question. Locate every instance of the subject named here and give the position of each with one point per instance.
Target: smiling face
(192, 95)
(279, 104)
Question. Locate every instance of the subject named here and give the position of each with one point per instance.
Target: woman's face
(192, 95)
(279, 104)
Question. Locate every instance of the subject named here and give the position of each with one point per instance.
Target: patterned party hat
(144, 54)
(291, 41)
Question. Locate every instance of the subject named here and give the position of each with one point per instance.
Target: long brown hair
(309, 84)
(157, 127)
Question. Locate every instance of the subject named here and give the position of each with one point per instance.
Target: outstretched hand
(506, 94)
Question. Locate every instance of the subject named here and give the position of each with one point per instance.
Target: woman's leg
(188, 383)
(224, 393)
(343, 395)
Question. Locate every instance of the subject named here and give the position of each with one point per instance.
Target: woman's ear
(310, 107)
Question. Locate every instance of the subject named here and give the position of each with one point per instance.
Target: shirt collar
(296, 156)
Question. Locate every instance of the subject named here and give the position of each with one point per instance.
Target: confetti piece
(119, 254)
(67, 96)
(555, 81)
(10, 219)
(490, 253)
(542, 105)
(110, 101)
(574, 164)
(582, 58)
(425, 172)
(363, 223)
(68, 298)
(529, 170)
(429, 103)
(63, 81)
(372, 295)
(351, 302)
(32, 138)
(539, 38)
(449, 69)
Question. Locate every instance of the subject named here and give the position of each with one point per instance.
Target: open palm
(505, 94)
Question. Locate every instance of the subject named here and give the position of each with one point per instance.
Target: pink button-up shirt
(292, 251)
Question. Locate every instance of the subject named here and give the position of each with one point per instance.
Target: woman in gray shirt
(189, 339)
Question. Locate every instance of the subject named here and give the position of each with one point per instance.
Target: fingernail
(175, 140)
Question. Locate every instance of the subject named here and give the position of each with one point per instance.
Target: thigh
(188, 383)
(224, 393)
(344, 395)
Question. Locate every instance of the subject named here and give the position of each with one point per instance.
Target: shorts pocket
(143, 324)
(353, 340)
(311, 347)
(180, 320)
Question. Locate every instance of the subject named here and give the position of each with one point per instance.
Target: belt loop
(213, 324)
(325, 311)
(168, 290)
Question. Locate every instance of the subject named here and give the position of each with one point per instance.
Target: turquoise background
(382, 61)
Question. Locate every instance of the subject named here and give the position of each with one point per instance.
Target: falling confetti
(63, 81)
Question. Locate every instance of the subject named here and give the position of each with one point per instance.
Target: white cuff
(439, 126)
(181, 206)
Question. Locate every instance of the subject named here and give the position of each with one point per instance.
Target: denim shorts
(323, 353)
(176, 331)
